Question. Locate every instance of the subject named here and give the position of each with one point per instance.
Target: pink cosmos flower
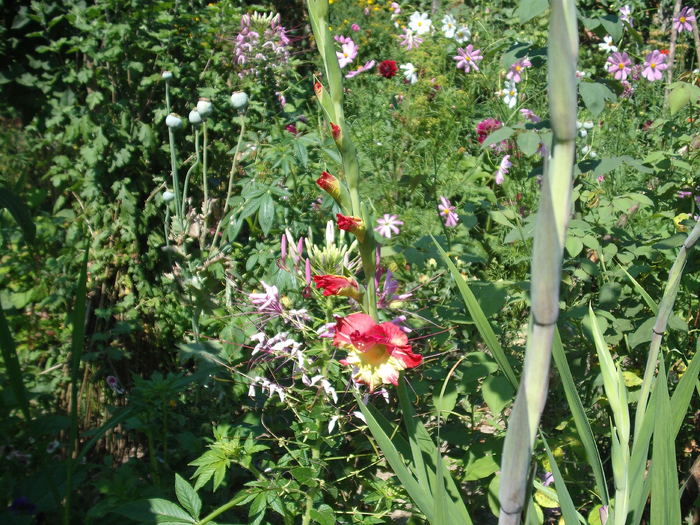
(268, 302)
(388, 225)
(368, 65)
(502, 170)
(515, 72)
(409, 39)
(448, 211)
(355, 27)
(467, 58)
(347, 53)
(619, 64)
(376, 352)
(530, 115)
(626, 14)
(342, 39)
(654, 64)
(684, 19)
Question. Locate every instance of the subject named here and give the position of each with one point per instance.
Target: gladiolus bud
(336, 132)
(354, 225)
(204, 106)
(330, 185)
(337, 285)
(239, 99)
(195, 117)
(173, 121)
(318, 88)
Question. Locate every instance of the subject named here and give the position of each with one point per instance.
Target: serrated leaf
(187, 496)
(160, 510)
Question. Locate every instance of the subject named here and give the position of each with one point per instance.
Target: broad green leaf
(498, 135)
(266, 213)
(480, 468)
(20, 212)
(497, 392)
(156, 510)
(323, 515)
(528, 142)
(594, 96)
(187, 496)
(529, 9)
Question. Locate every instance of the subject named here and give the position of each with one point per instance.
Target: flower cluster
(620, 65)
(261, 43)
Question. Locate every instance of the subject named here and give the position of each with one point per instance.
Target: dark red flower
(388, 68)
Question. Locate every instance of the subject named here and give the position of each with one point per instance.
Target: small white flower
(251, 391)
(462, 34)
(419, 23)
(409, 72)
(195, 117)
(588, 124)
(173, 121)
(239, 99)
(510, 94)
(204, 106)
(449, 26)
(607, 45)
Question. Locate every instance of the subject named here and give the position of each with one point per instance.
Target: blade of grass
(14, 371)
(647, 298)
(578, 412)
(419, 495)
(680, 400)
(477, 314)
(568, 509)
(665, 503)
(77, 344)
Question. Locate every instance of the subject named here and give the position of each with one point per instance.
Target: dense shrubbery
(223, 341)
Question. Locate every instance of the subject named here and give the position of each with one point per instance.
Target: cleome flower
(376, 352)
(388, 225)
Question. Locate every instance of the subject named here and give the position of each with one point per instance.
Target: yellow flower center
(682, 20)
(518, 68)
(652, 65)
(621, 65)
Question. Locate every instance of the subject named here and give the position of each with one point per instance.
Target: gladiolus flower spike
(354, 225)
(376, 352)
(330, 185)
(337, 285)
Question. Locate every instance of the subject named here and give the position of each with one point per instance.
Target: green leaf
(565, 502)
(681, 95)
(324, 515)
(187, 496)
(498, 135)
(163, 511)
(594, 96)
(480, 468)
(528, 142)
(266, 213)
(665, 502)
(497, 392)
(12, 366)
(528, 9)
(20, 212)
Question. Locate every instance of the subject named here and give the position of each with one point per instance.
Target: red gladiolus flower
(337, 285)
(388, 68)
(318, 88)
(335, 131)
(354, 225)
(377, 352)
(330, 185)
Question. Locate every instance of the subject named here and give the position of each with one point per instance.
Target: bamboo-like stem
(318, 15)
(550, 235)
(696, 39)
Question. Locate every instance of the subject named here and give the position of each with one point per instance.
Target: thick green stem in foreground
(550, 235)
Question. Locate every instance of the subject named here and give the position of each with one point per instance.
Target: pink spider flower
(684, 19)
(515, 72)
(448, 211)
(467, 58)
(409, 39)
(619, 64)
(654, 64)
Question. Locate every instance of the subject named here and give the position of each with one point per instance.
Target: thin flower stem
(205, 186)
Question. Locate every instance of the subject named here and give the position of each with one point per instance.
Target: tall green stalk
(550, 235)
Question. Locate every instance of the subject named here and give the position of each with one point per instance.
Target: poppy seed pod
(173, 121)
(195, 117)
(168, 195)
(204, 107)
(166, 75)
(239, 99)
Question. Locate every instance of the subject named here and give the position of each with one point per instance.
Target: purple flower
(619, 65)
(257, 51)
(409, 39)
(268, 302)
(654, 64)
(467, 58)
(515, 72)
(355, 27)
(113, 383)
(502, 170)
(448, 211)
(684, 194)
(684, 19)
(626, 14)
(388, 225)
(547, 479)
(530, 115)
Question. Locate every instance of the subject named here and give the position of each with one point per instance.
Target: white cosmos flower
(409, 72)
(449, 26)
(419, 23)
(510, 94)
(462, 34)
(607, 45)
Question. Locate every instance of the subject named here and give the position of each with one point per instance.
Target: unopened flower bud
(166, 75)
(204, 107)
(354, 225)
(330, 185)
(239, 99)
(173, 121)
(195, 117)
